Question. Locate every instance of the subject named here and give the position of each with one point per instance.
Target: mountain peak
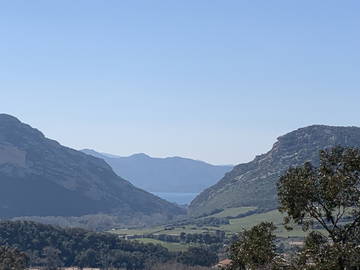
(322, 130)
(41, 177)
(171, 174)
(254, 183)
(18, 134)
(9, 118)
(140, 155)
(317, 136)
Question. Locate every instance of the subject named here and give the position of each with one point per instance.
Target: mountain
(172, 174)
(254, 183)
(40, 177)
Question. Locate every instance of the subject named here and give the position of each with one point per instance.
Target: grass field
(233, 212)
(162, 230)
(170, 246)
(138, 231)
(239, 224)
(236, 225)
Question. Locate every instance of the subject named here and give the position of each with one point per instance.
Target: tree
(325, 196)
(52, 258)
(319, 254)
(12, 259)
(86, 258)
(255, 248)
(78, 247)
(198, 256)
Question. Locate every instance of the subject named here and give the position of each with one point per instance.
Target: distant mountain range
(172, 174)
(254, 183)
(40, 177)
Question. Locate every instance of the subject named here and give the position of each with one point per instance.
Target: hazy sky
(211, 80)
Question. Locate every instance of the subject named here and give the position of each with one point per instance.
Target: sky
(215, 80)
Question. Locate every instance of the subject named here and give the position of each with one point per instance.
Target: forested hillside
(46, 244)
(52, 247)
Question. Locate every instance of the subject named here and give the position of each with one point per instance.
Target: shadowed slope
(38, 176)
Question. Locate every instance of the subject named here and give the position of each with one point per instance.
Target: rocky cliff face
(38, 176)
(254, 183)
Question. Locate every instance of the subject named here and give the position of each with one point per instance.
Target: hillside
(40, 177)
(172, 174)
(78, 247)
(254, 183)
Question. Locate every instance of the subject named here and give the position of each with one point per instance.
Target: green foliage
(52, 259)
(198, 256)
(86, 258)
(12, 259)
(172, 247)
(320, 254)
(52, 247)
(204, 238)
(325, 195)
(235, 212)
(255, 248)
(178, 266)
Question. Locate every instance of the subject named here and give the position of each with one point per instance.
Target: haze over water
(179, 198)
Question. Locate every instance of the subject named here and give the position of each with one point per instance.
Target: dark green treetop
(325, 194)
(255, 248)
(12, 259)
(329, 196)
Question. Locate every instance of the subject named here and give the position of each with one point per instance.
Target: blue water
(179, 198)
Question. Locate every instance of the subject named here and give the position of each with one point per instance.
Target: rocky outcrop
(254, 183)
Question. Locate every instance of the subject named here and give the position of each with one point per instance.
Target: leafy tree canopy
(198, 256)
(12, 259)
(328, 195)
(255, 248)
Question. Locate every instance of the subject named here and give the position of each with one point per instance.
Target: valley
(235, 221)
(179, 135)
(180, 225)
(167, 175)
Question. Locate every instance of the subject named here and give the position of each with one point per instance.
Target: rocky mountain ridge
(40, 177)
(254, 183)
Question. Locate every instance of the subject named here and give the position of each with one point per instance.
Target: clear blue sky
(211, 80)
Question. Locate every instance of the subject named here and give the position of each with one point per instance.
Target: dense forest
(49, 246)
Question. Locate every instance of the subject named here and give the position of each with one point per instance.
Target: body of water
(178, 197)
